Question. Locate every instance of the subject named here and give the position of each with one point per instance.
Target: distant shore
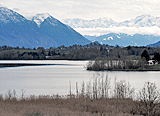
(141, 70)
(20, 64)
(121, 65)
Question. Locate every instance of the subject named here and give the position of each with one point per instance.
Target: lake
(55, 78)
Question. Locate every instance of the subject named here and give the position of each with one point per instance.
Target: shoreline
(20, 64)
(128, 70)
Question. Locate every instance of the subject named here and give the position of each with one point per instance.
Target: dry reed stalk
(48, 105)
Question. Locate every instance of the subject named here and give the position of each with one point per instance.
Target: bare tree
(123, 89)
(106, 86)
(23, 92)
(77, 89)
(83, 89)
(70, 89)
(149, 97)
(14, 93)
(88, 90)
(9, 94)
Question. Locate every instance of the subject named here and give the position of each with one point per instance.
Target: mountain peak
(8, 15)
(40, 17)
(144, 15)
(81, 23)
(16, 30)
(44, 17)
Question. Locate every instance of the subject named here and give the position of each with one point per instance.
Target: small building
(152, 62)
(47, 57)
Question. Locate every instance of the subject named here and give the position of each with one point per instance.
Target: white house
(152, 62)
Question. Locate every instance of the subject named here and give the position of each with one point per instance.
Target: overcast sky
(118, 10)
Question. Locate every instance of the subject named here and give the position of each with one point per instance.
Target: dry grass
(57, 106)
(90, 101)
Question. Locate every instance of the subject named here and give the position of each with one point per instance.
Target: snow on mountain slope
(7, 15)
(144, 24)
(139, 21)
(80, 23)
(138, 31)
(41, 31)
(41, 17)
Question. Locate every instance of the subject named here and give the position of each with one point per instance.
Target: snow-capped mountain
(42, 31)
(139, 21)
(62, 33)
(80, 23)
(41, 17)
(138, 31)
(7, 15)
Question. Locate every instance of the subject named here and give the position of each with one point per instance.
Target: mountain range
(139, 21)
(41, 30)
(123, 39)
(139, 31)
(46, 31)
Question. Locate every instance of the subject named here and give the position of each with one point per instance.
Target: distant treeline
(121, 64)
(75, 52)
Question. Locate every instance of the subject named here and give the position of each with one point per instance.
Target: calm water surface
(54, 79)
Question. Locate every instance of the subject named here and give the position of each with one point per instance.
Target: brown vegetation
(95, 98)
(57, 106)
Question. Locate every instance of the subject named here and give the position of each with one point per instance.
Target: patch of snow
(110, 38)
(118, 37)
(39, 18)
(7, 15)
(104, 39)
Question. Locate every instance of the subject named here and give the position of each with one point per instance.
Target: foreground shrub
(148, 100)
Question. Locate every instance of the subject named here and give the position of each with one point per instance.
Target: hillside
(157, 44)
(18, 31)
(123, 39)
